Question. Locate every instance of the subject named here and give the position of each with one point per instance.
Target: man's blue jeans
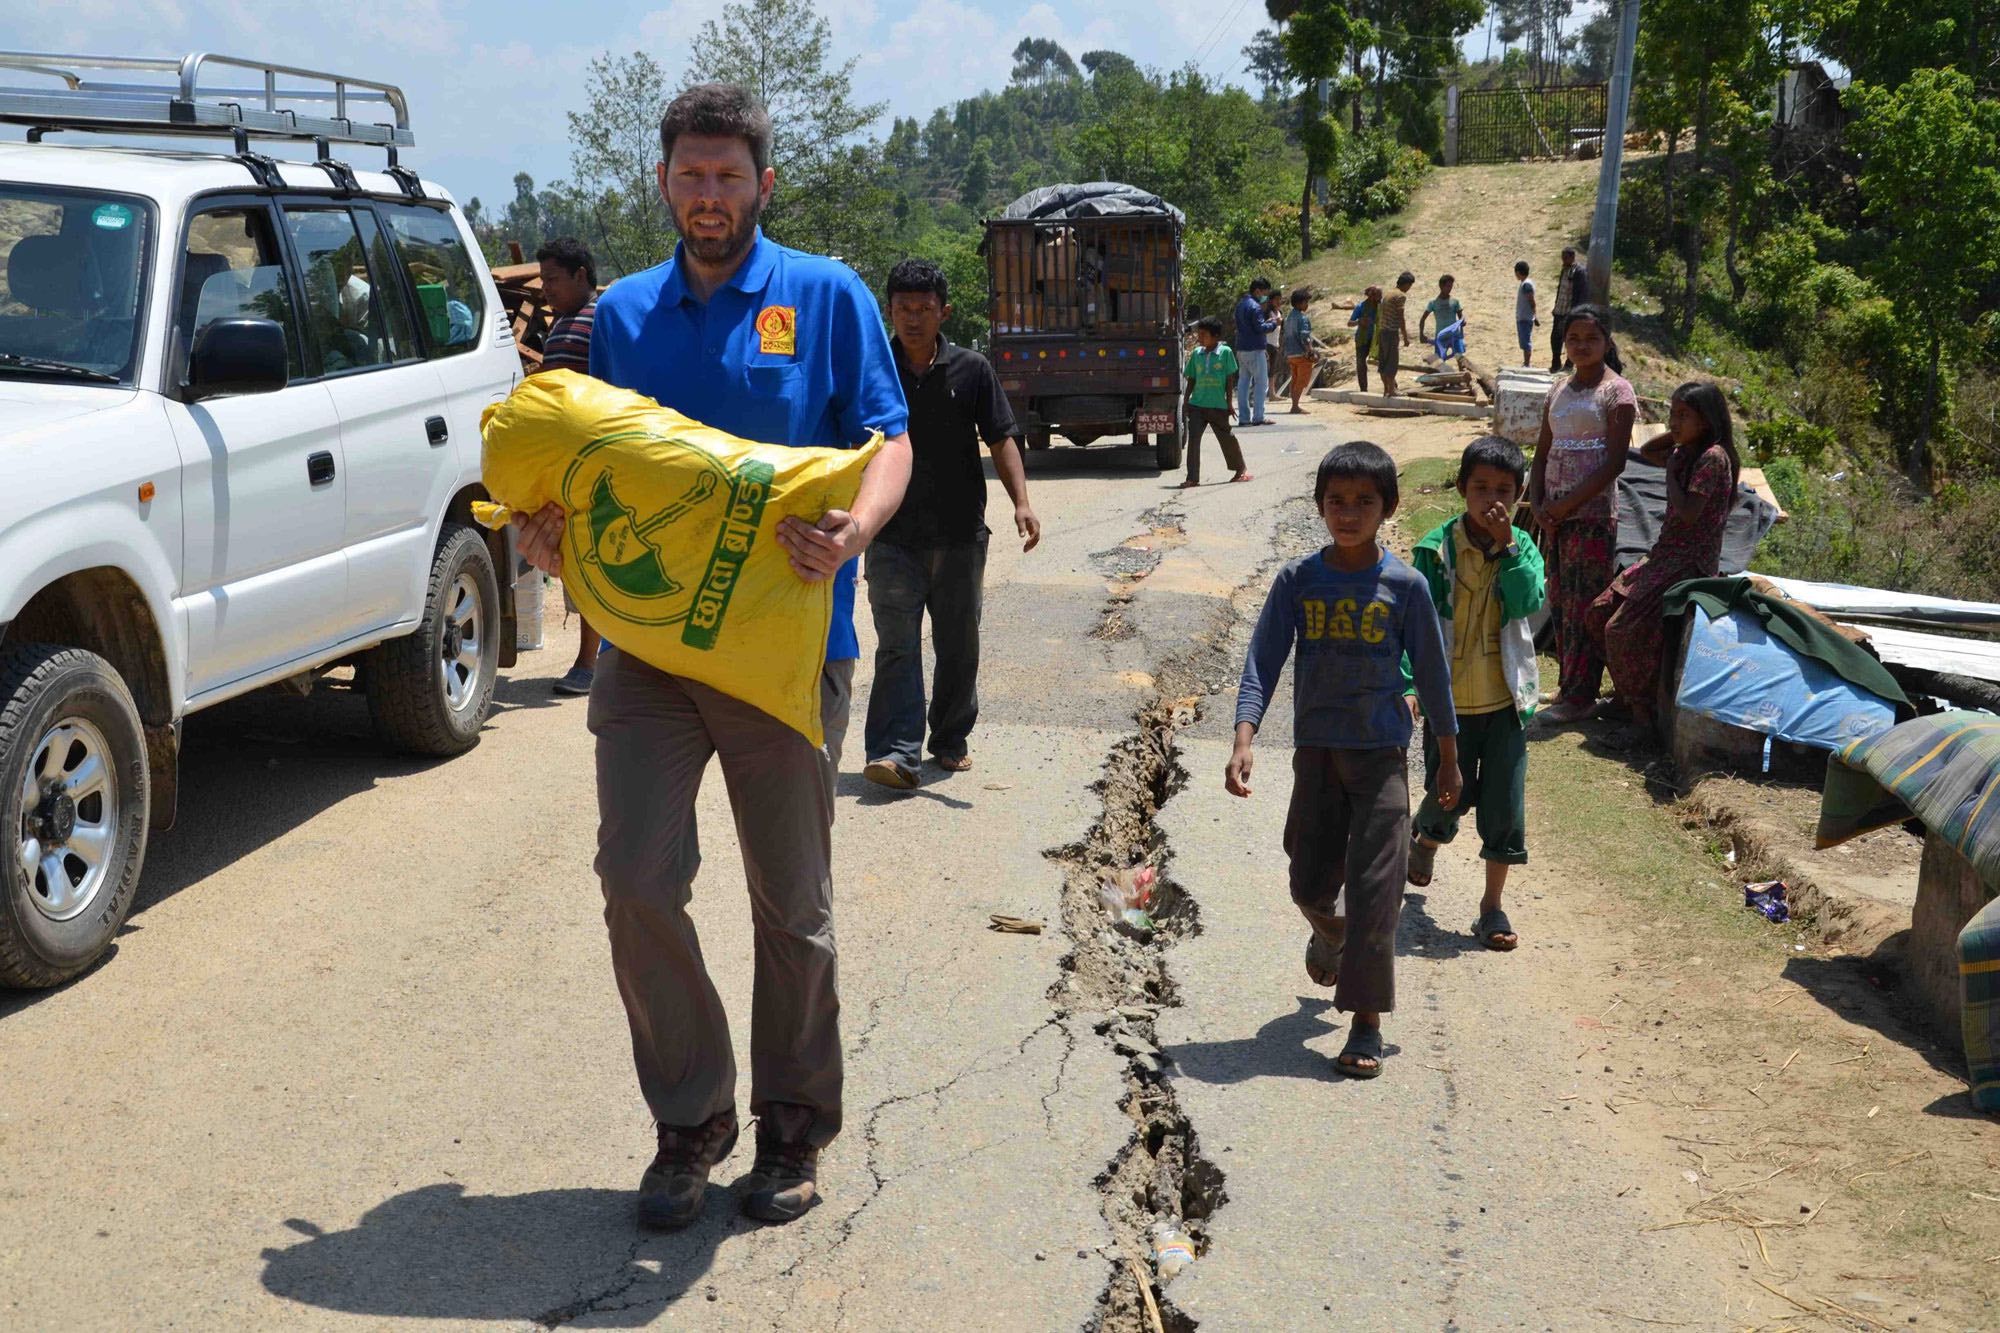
(903, 583)
(1253, 385)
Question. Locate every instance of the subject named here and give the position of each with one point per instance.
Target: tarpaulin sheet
(1944, 769)
(1642, 507)
(1736, 672)
(1795, 626)
(1092, 199)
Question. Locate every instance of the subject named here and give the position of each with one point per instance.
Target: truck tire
(74, 795)
(429, 692)
(1167, 451)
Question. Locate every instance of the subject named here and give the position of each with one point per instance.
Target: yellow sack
(670, 549)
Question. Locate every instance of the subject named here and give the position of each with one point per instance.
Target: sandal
(962, 764)
(1491, 926)
(1322, 960)
(1423, 861)
(1362, 1044)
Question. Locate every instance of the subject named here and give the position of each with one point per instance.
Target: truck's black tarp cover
(1094, 199)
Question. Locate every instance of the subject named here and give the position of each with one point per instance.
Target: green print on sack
(732, 547)
(641, 563)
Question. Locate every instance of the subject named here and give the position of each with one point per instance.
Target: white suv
(239, 441)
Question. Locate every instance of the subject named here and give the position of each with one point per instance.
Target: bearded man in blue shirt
(774, 345)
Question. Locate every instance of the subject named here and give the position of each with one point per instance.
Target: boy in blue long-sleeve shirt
(1353, 610)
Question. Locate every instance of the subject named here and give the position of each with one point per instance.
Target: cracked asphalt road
(358, 1060)
(358, 1057)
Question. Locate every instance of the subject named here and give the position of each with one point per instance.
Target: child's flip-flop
(1491, 926)
(1362, 1044)
(1423, 861)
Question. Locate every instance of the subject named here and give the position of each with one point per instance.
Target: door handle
(319, 468)
(436, 428)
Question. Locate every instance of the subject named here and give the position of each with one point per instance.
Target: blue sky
(489, 82)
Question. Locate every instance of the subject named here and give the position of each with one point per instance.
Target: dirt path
(1473, 223)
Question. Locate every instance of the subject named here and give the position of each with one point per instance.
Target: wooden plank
(1400, 402)
(1753, 477)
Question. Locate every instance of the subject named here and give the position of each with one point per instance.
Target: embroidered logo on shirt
(777, 330)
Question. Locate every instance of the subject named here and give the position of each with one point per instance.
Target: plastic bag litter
(1767, 898)
(1128, 896)
(670, 549)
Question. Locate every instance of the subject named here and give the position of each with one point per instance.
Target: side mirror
(233, 356)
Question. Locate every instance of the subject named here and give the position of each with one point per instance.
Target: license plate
(1154, 423)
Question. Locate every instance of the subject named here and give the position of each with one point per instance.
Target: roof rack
(51, 93)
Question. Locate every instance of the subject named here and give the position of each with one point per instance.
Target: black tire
(1039, 437)
(1167, 451)
(57, 706)
(407, 681)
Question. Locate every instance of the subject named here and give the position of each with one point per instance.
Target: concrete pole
(1604, 222)
(1451, 125)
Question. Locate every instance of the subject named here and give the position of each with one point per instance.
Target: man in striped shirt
(569, 285)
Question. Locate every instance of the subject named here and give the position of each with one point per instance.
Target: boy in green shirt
(1449, 329)
(1211, 387)
(1486, 579)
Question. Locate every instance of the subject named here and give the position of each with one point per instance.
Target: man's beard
(730, 246)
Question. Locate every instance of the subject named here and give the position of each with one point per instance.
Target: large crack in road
(1116, 980)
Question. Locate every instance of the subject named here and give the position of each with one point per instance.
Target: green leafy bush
(1789, 437)
(1866, 529)
(1373, 176)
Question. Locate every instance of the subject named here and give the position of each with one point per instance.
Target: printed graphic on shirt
(642, 574)
(777, 330)
(1344, 621)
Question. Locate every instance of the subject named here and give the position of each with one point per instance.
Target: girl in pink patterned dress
(1702, 471)
(1586, 430)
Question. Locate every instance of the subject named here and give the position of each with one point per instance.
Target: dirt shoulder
(1788, 1103)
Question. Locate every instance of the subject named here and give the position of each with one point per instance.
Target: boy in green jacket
(1485, 580)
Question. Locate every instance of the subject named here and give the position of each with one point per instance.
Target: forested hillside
(1242, 166)
(1829, 249)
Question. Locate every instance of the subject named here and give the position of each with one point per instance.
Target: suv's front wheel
(74, 789)
(429, 691)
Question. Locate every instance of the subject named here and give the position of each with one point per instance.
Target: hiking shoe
(783, 1185)
(891, 774)
(672, 1190)
(577, 681)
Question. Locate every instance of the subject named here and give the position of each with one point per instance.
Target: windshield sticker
(112, 217)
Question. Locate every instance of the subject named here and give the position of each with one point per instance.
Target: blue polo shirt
(790, 350)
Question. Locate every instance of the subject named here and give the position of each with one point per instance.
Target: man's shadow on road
(1276, 1050)
(546, 1257)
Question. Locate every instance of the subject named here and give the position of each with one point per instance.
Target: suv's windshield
(71, 266)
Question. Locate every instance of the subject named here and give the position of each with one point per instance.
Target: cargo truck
(1084, 301)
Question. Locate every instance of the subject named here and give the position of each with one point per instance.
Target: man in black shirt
(932, 555)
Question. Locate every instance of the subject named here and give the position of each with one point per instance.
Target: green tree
(1316, 41)
(614, 145)
(1929, 177)
(832, 191)
(1038, 60)
(977, 183)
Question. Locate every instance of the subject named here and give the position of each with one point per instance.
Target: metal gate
(1509, 124)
